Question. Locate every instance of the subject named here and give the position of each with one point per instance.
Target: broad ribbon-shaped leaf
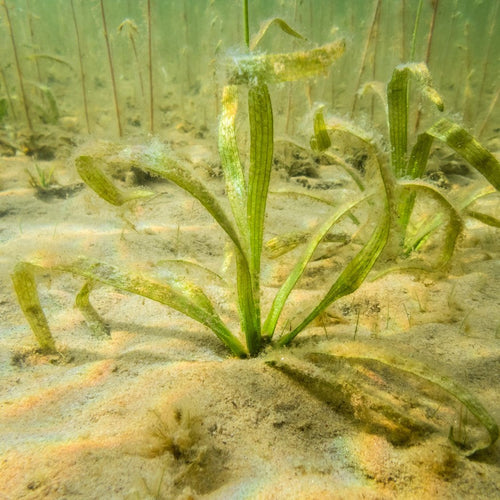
(398, 107)
(278, 68)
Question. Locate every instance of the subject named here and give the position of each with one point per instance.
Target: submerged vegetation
(386, 229)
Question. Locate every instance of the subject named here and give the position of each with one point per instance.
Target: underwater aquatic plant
(244, 226)
(247, 193)
(408, 168)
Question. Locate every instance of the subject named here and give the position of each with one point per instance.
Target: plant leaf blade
(468, 148)
(283, 25)
(278, 68)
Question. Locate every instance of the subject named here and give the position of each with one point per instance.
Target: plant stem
(245, 22)
(150, 68)
(435, 4)
(112, 71)
(82, 72)
(290, 86)
(403, 31)
(32, 37)
(415, 29)
(7, 93)
(188, 55)
(374, 61)
(18, 67)
(489, 113)
(487, 57)
(467, 111)
(136, 57)
(365, 54)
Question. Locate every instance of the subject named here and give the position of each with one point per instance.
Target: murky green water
(189, 39)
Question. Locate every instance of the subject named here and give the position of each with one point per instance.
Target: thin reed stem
(403, 31)
(374, 58)
(245, 23)
(487, 57)
(467, 109)
(111, 70)
(415, 30)
(435, 4)
(33, 44)
(188, 56)
(18, 67)
(7, 93)
(365, 54)
(150, 69)
(82, 71)
(489, 113)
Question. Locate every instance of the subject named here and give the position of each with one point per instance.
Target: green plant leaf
(455, 223)
(468, 148)
(419, 156)
(351, 277)
(233, 171)
(285, 243)
(179, 294)
(355, 353)
(97, 325)
(277, 68)
(416, 168)
(248, 307)
(398, 107)
(96, 179)
(3, 108)
(296, 273)
(321, 140)
(156, 160)
(489, 220)
(185, 266)
(264, 27)
(261, 158)
(23, 279)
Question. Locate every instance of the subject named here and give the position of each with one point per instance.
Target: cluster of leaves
(247, 191)
(406, 169)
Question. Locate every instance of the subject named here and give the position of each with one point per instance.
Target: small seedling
(42, 179)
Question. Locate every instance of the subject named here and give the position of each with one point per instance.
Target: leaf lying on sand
(95, 178)
(321, 365)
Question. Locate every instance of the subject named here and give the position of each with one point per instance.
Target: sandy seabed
(160, 409)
